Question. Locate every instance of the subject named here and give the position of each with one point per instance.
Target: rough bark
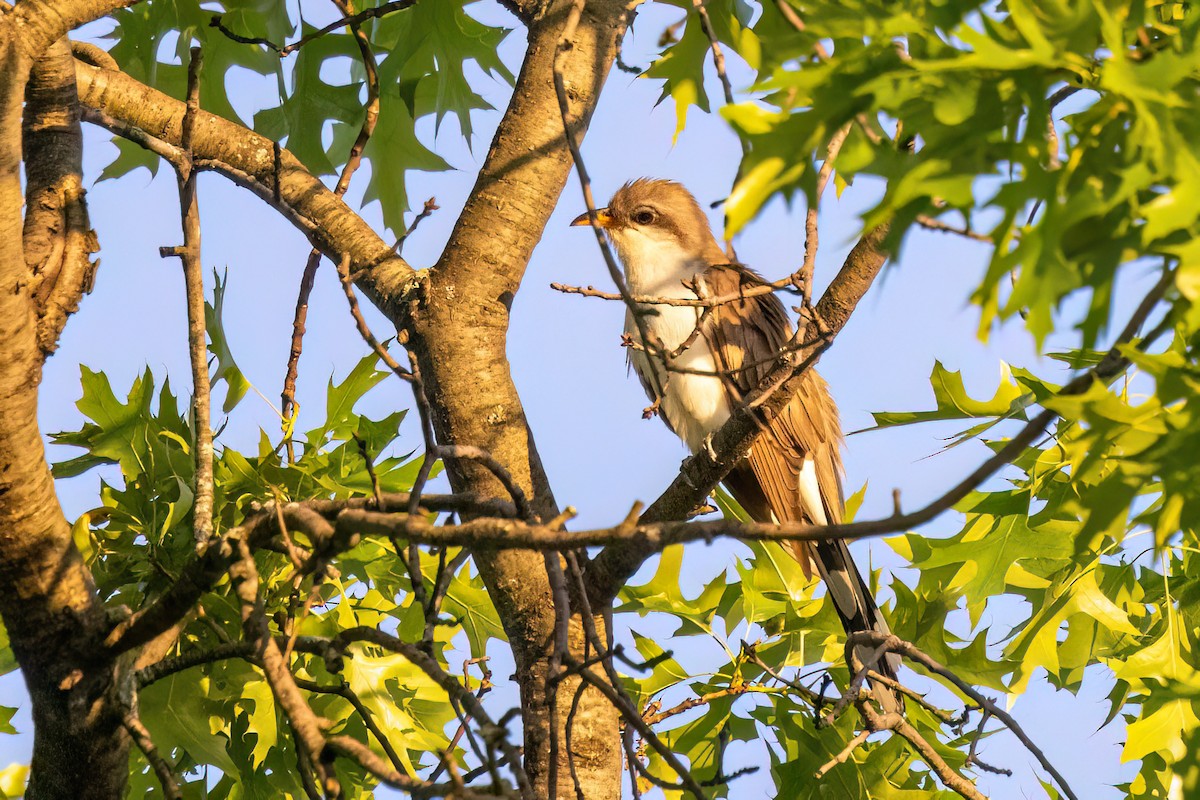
(49, 605)
(59, 241)
(459, 333)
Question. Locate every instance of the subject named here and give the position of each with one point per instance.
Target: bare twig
(948, 717)
(344, 691)
(811, 237)
(895, 644)
(309, 728)
(788, 284)
(193, 278)
(286, 50)
(141, 737)
(376, 494)
(570, 132)
(343, 269)
(485, 685)
(288, 408)
(458, 693)
(425, 414)
(928, 753)
(973, 759)
(428, 209)
(715, 47)
(353, 160)
(485, 459)
(934, 224)
(634, 720)
(844, 755)
(706, 698)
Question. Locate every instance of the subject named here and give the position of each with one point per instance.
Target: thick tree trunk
(48, 602)
(459, 332)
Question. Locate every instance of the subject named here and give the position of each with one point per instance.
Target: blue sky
(565, 353)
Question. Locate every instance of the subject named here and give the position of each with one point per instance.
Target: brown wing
(746, 336)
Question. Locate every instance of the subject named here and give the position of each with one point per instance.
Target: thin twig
(706, 698)
(286, 50)
(485, 685)
(934, 224)
(927, 752)
(141, 737)
(428, 209)
(193, 278)
(309, 728)
(715, 47)
(565, 45)
(788, 283)
(634, 720)
(288, 407)
(895, 644)
(844, 755)
(344, 691)
(425, 415)
(485, 459)
(376, 494)
(789, 13)
(343, 270)
(811, 238)
(454, 688)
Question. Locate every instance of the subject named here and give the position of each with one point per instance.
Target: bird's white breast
(693, 405)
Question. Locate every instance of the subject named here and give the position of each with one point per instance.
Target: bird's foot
(708, 447)
(652, 409)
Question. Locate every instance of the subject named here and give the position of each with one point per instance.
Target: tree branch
(43, 22)
(894, 644)
(249, 160)
(193, 280)
(643, 536)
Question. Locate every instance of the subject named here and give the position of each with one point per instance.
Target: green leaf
(6, 715)
(130, 157)
(8, 661)
(953, 402)
(467, 601)
(395, 133)
(430, 45)
(340, 399)
(182, 711)
(989, 546)
(12, 780)
(313, 102)
(218, 344)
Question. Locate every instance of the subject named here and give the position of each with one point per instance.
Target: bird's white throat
(656, 265)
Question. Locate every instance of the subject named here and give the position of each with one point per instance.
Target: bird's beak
(603, 219)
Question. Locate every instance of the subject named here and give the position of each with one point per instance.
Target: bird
(793, 471)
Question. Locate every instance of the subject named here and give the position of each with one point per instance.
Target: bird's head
(656, 223)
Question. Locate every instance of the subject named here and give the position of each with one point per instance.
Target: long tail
(858, 612)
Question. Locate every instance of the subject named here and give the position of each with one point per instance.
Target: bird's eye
(643, 217)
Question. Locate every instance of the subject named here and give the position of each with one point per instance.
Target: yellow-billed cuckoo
(793, 471)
